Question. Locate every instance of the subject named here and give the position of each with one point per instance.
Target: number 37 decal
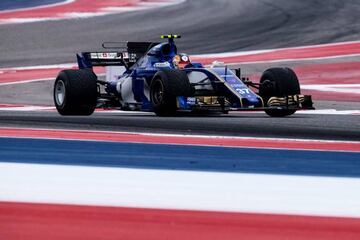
(243, 90)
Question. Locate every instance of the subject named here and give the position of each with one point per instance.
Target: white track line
(329, 112)
(254, 52)
(27, 81)
(38, 7)
(339, 88)
(295, 59)
(101, 12)
(169, 189)
(28, 108)
(39, 67)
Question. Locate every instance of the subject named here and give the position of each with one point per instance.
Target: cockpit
(163, 51)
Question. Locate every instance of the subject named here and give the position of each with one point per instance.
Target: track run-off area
(132, 175)
(177, 186)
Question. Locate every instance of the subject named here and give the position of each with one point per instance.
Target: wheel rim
(158, 92)
(268, 87)
(60, 93)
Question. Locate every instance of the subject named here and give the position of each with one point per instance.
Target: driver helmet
(181, 60)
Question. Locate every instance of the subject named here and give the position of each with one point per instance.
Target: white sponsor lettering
(107, 55)
(162, 64)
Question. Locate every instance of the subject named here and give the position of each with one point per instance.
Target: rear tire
(75, 92)
(165, 86)
(278, 82)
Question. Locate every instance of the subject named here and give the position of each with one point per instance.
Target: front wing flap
(211, 103)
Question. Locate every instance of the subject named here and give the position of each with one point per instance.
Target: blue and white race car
(154, 77)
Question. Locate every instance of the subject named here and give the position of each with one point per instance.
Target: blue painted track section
(156, 156)
(16, 4)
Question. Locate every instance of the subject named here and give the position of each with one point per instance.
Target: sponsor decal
(162, 64)
(106, 55)
(242, 90)
(191, 101)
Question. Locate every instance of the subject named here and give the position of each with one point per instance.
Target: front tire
(75, 92)
(165, 86)
(279, 82)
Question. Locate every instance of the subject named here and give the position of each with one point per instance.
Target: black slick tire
(75, 92)
(278, 82)
(165, 86)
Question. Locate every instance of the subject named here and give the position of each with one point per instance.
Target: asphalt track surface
(207, 27)
(245, 124)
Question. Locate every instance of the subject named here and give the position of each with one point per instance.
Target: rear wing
(90, 59)
(134, 51)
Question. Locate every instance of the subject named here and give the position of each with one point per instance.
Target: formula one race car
(154, 77)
